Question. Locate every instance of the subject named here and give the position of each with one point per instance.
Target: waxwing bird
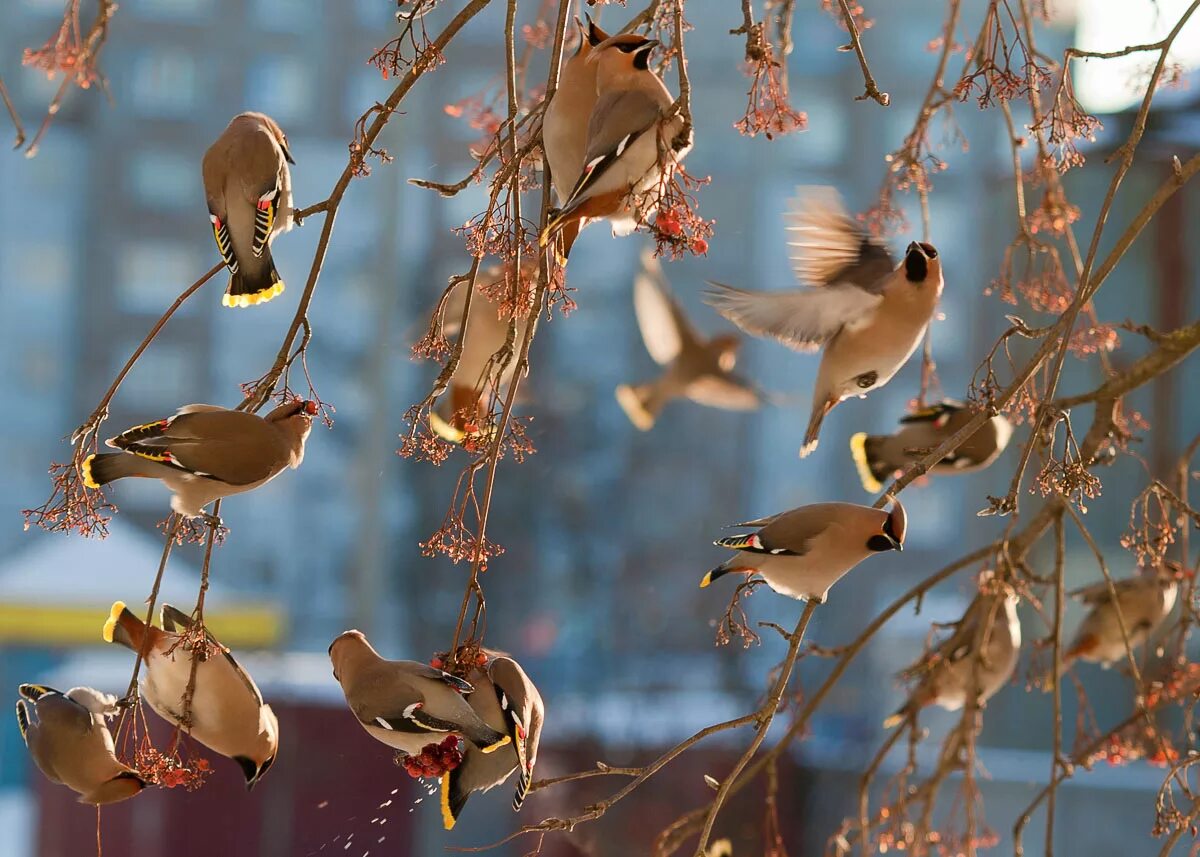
(921, 432)
(70, 743)
(947, 675)
(1142, 602)
(802, 553)
(405, 704)
(249, 191)
(696, 368)
(867, 314)
(205, 452)
(565, 123)
(228, 714)
(465, 408)
(629, 139)
(506, 700)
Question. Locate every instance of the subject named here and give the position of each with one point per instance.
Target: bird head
(627, 52)
(920, 262)
(891, 535)
(343, 646)
(592, 34)
(253, 771)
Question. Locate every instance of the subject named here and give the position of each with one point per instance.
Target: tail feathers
(23, 721)
(524, 781)
(453, 797)
(101, 469)
(121, 787)
(1085, 645)
(896, 719)
(251, 287)
(869, 472)
(638, 404)
(124, 628)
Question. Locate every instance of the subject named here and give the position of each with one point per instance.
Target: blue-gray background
(607, 530)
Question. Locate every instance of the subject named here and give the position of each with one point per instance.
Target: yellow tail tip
(445, 430)
(110, 624)
(254, 298)
(494, 747)
(706, 580)
(858, 450)
(628, 399)
(893, 721)
(86, 470)
(448, 818)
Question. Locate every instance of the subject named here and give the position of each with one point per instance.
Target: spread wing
(724, 391)
(665, 329)
(617, 120)
(803, 319)
(827, 246)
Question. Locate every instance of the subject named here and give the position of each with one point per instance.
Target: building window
(165, 82)
(286, 15)
(172, 9)
(281, 87)
(149, 276)
(41, 269)
(164, 179)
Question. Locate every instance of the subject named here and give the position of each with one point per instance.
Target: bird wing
(724, 391)
(665, 329)
(232, 446)
(932, 413)
(787, 534)
(1098, 593)
(827, 246)
(461, 685)
(618, 118)
(803, 319)
(173, 618)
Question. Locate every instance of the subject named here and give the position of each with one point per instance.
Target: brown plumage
(804, 552)
(695, 368)
(461, 413)
(629, 141)
(205, 452)
(921, 432)
(70, 743)
(1143, 603)
(405, 704)
(946, 676)
(249, 191)
(867, 315)
(505, 699)
(228, 713)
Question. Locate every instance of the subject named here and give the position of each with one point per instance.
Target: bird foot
(127, 701)
(213, 521)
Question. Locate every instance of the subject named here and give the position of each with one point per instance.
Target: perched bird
(405, 704)
(867, 314)
(696, 368)
(1142, 602)
(565, 123)
(506, 700)
(946, 675)
(629, 140)
(462, 412)
(228, 714)
(249, 191)
(70, 742)
(804, 552)
(205, 452)
(924, 430)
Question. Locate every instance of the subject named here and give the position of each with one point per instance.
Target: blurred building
(607, 530)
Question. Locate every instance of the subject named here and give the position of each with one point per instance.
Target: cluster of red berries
(438, 661)
(667, 223)
(435, 759)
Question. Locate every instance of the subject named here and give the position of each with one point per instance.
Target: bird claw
(127, 701)
(212, 521)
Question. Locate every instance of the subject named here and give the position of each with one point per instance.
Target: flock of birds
(605, 133)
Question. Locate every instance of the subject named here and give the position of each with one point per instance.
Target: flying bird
(947, 675)
(867, 313)
(69, 741)
(249, 191)
(629, 140)
(464, 410)
(1142, 602)
(696, 368)
(506, 699)
(804, 552)
(227, 714)
(404, 704)
(921, 432)
(206, 452)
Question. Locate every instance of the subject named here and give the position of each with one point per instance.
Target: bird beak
(895, 544)
(915, 247)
